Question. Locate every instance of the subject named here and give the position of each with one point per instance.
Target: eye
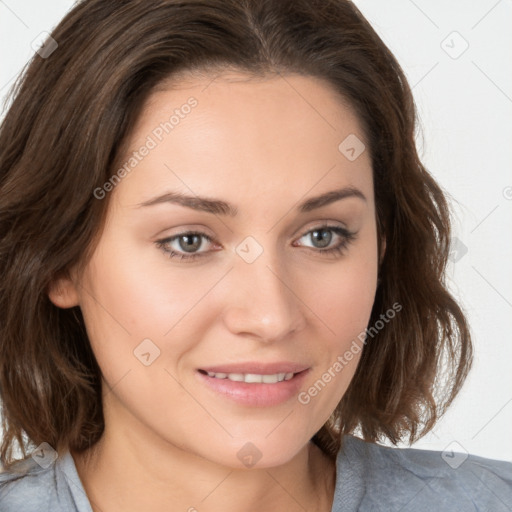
(327, 239)
(187, 246)
(192, 244)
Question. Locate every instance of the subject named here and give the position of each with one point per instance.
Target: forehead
(208, 134)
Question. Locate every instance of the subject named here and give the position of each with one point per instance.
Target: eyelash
(346, 238)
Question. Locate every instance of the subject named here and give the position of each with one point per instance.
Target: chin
(258, 453)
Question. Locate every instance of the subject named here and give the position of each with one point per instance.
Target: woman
(223, 270)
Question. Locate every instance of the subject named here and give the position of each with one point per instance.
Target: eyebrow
(219, 207)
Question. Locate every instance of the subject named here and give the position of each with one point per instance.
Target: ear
(63, 292)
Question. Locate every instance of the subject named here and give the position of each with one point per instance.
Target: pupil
(321, 238)
(190, 243)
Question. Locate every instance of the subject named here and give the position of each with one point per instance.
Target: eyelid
(318, 223)
(180, 230)
(324, 224)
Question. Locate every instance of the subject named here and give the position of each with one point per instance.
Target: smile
(252, 378)
(255, 385)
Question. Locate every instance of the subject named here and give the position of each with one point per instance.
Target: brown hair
(72, 112)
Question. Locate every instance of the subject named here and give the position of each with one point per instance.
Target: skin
(263, 146)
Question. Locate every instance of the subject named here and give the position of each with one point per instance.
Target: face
(237, 267)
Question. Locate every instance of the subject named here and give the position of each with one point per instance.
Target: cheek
(346, 302)
(138, 329)
(143, 317)
(130, 293)
(342, 295)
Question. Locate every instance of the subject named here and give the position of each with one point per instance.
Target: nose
(262, 302)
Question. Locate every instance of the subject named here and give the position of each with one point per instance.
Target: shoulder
(53, 486)
(383, 478)
(27, 486)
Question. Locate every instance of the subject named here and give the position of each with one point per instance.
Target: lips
(257, 368)
(255, 384)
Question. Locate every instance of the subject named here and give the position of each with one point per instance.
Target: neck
(118, 475)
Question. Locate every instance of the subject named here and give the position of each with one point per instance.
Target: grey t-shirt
(369, 478)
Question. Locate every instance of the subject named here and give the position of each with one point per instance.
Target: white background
(465, 107)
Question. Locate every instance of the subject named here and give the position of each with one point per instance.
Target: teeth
(252, 378)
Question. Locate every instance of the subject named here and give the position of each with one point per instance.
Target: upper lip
(258, 368)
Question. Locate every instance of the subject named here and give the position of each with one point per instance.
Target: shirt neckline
(67, 467)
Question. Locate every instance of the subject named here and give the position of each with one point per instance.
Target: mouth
(256, 385)
(251, 378)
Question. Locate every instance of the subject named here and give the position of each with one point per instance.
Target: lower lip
(256, 394)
